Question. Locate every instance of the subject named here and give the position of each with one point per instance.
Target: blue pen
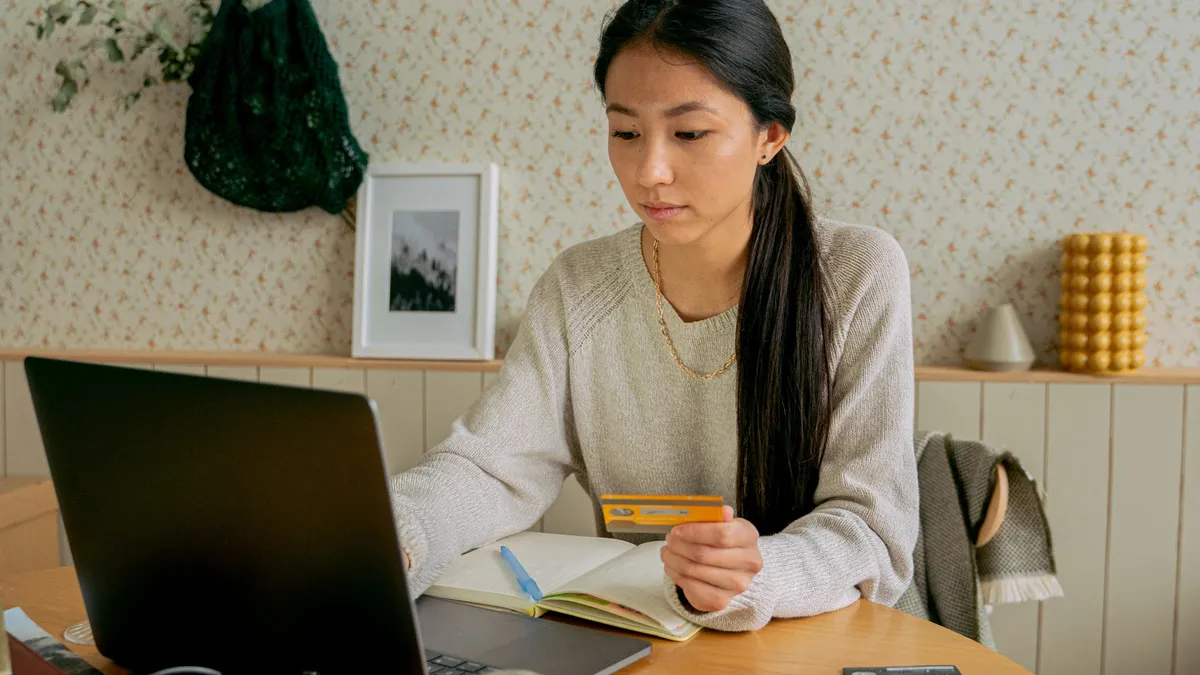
(523, 579)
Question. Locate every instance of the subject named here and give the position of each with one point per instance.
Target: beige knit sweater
(588, 387)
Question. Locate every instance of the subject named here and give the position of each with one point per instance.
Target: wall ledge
(1173, 376)
(248, 359)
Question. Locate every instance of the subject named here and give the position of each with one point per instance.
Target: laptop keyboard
(440, 664)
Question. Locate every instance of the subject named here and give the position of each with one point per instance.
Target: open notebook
(604, 580)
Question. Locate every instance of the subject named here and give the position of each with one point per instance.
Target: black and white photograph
(424, 261)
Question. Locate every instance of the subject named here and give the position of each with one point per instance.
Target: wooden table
(864, 634)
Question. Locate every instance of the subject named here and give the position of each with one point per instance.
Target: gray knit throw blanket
(954, 582)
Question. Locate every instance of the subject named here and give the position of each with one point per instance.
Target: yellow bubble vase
(1102, 317)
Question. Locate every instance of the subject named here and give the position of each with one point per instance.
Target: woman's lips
(662, 212)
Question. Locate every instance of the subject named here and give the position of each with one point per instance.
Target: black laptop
(246, 528)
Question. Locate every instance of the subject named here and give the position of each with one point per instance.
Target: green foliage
(127, 41)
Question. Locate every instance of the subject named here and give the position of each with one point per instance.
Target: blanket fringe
(1021, 589)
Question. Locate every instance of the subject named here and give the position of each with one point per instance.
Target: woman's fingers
(734, 581)
(703, 597)
(743, 559)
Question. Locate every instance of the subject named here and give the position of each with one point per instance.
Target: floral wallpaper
(978, 133)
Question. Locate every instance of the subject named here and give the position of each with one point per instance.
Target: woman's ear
(770, 141)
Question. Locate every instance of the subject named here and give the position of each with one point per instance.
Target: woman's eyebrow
(676, 111)
(691, 106)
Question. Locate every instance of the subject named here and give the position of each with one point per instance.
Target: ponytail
(784, 379)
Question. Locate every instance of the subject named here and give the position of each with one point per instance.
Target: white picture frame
(425, 262)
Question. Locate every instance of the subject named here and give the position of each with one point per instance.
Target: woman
(731, 344)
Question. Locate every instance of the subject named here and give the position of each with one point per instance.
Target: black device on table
(247, 528)
(904, 670)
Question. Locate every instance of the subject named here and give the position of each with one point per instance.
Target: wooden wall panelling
(1187, 603)
(340, 379)
(1143, 529)
(399, 396)
(247, 373)
(4, 365)
(21, 450)
(1076, 485)
(1014, 416)
(447, 397)
(25, 455)
(572, 512)
(21, 443)
(296, 377)
(952, 407)
(183, 368)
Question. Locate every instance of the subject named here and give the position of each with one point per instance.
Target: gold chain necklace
(662, 322)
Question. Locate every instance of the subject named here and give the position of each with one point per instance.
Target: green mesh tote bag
(267, 126)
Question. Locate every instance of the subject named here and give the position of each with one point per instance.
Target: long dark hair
(784, 376)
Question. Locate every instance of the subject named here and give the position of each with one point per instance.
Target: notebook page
(635, 579)
(550, 559)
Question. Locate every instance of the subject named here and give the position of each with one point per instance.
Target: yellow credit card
(657, 514)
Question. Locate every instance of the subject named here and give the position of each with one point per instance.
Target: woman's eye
(625, 135)
(691, 135)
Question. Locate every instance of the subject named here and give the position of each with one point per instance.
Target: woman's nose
(654, 165)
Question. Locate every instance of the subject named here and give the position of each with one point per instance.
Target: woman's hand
(712, 562)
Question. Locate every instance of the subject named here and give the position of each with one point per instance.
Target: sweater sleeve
(859, 540)
(506, 458)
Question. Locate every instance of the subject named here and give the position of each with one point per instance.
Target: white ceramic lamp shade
(1000, 343)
